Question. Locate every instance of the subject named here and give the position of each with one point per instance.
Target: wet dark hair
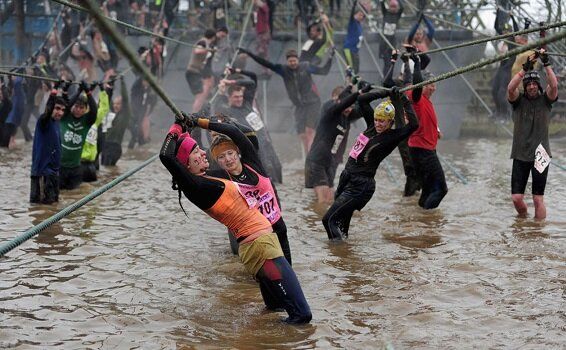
(222, 29)
(209, 33)
(234, 88)
(291, 53)
(60, 101)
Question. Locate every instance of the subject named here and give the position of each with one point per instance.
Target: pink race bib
(247, 192)
(359, 146)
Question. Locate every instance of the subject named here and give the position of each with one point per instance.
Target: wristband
(203, 123)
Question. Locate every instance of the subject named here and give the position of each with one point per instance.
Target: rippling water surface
(129, 270)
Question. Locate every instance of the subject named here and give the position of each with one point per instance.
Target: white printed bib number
(255, 121)
(92, 135)
(389, 28)
(542, 159)
(359, 146)
(337, 144)
(107, 122)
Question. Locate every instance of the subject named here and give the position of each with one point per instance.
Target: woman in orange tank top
(221, 199)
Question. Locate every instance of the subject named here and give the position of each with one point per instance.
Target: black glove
(527, 23)
(394, 55)
(190, 120)
(364, 86)
(355, 79)
(415, 57)
(66, 85)
(84, 86)
(395, 94)
(94, 84)
(529, 64)
(545, 59)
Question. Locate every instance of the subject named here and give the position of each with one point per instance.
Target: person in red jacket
(422, 147)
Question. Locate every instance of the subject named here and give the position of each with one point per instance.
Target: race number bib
(359, 146)
(249, 193)
(542, 159)
(255, 121)
(268, 207)
(92, 135)
(389, 28)
(337, 144)
(307, 45)
(107, 122)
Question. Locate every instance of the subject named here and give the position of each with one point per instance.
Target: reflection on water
(129, 270)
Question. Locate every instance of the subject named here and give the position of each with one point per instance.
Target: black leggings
(353, 193)
(520, 176)
(432, 178)
(280, 288)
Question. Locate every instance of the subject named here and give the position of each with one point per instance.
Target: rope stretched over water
(10, 245)
(31, 76)
(124, 24)
(28, 76)
(486, 61)
(124, 48)
(492, 38)
(466, 81)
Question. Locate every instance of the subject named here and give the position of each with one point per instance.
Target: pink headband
(186, 147)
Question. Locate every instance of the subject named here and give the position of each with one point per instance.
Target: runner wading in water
(531, 117)
(221, 199)
(301, 89)
(357, 184)
(240, 162)
(331, 133)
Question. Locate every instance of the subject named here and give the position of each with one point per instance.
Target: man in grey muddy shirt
(531, 117)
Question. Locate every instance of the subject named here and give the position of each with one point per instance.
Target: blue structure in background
(37, 25)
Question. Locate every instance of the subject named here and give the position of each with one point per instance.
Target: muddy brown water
(130, 271)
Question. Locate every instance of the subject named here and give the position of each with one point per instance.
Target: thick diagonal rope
(104, 24)
(486, 61)
(10, 245)
(31, 76)
(466, 81)
(124, 24)
(556, 54)
(493, 38)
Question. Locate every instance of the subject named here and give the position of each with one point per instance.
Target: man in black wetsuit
(357, 184)
(331, 133)
(301, 89)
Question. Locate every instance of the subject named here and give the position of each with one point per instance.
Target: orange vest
(232, 210)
